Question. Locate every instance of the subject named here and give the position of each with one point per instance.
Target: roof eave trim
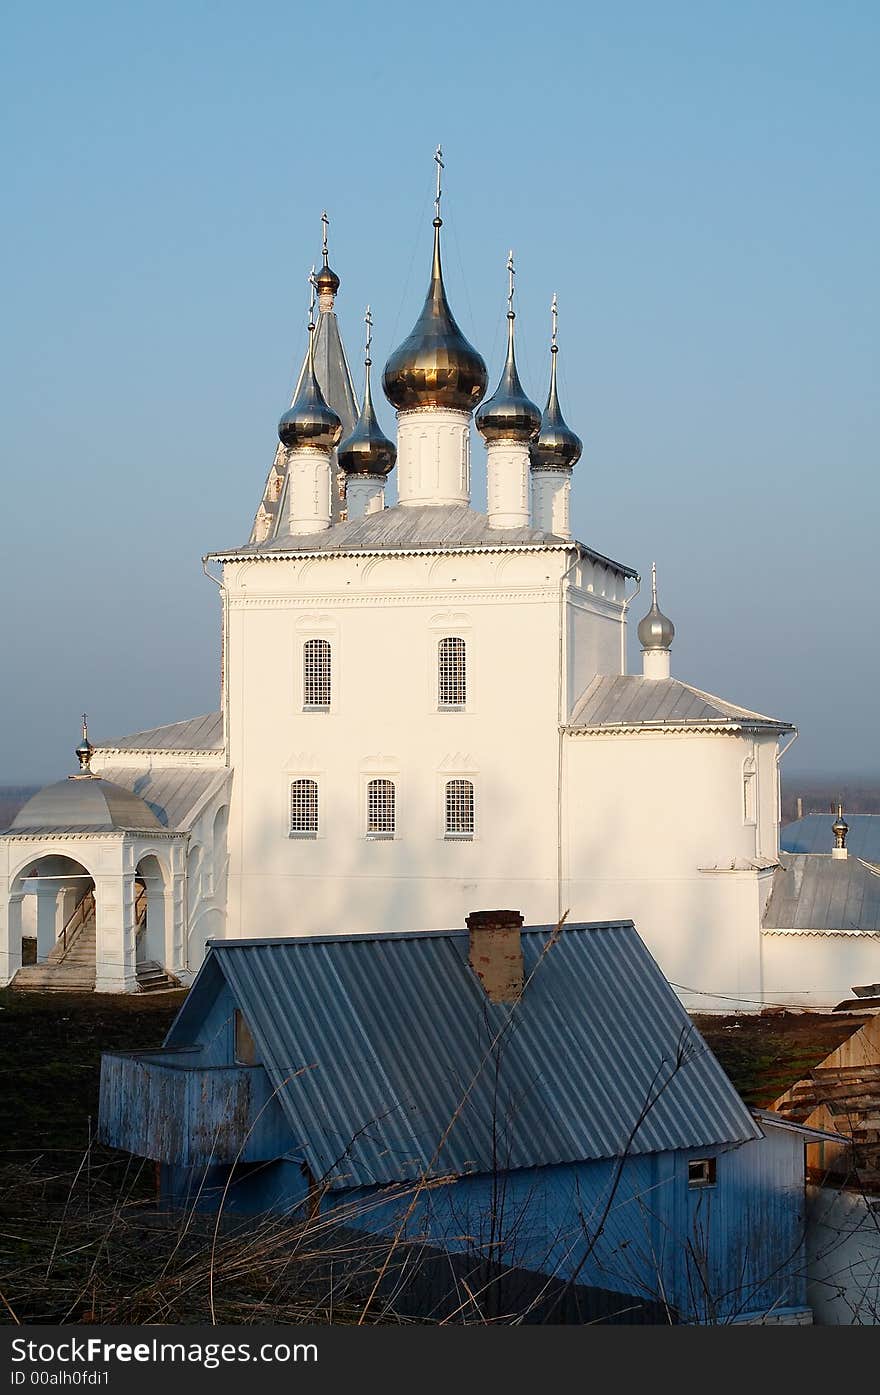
(716, 725)
(292, 554)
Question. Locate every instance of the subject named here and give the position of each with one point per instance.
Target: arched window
(380, 809)
(750, 803)
(451, 673)
(316, 673)
(459, 809)
(304, 809)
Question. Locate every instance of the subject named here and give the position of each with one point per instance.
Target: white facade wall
(384, 618)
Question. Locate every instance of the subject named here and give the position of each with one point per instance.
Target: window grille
(316, 673)
(452, 673)
(304, 809)
(459, 809)
(380, 809)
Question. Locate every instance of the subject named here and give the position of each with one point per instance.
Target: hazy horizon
(698, 183)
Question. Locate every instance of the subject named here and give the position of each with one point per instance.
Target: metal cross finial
(313, 291)
(654, 582)
(438, 156)
(554, 317)
(511, 272)
(368, 321)
(85, 727)
(326, 223)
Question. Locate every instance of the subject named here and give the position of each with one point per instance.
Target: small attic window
(245, 1051)
(701, 1172)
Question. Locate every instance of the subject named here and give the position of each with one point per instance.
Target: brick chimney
(495, 953)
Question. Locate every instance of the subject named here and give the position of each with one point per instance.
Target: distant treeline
(11, 799)
(819, 795)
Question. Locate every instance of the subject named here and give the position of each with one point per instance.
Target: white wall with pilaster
(433, 456)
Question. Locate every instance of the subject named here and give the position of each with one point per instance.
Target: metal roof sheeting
(392, 1036)
(418, 528)
(173, 795)
(195, 734)
(812, 834)
(621, 700)
(812, 892)
(84, 804)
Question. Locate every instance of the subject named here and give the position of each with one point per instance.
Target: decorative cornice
(712, 728)
(548, 592)
(822, 934)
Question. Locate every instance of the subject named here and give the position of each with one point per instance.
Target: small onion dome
(556, 446)
(840, 828)
(85, 750)
(435, 366)
(509, 415)
(326, 281)
(367, 451)
(310, 424)
(656, 630)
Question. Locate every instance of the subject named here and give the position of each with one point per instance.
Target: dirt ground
(766, 1054)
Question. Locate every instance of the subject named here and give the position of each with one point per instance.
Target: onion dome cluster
(435, 366)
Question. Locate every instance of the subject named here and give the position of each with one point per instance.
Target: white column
(551, 490)
(10, 937)
(433, 456)
(507, 471)
(115, 970)
(364, 494)
(47, 901)
(655, 663)
(308, 491)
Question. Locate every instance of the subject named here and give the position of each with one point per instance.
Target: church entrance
(53, 901)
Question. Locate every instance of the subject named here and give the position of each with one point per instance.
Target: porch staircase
(845, 1099)
(70, 967)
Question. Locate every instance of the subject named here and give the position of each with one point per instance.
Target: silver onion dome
(556, 447)
(656, 630)
(310, 424)
(509, 415)
(367, 451)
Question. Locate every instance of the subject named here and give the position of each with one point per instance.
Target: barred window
(380, 809)
(304, 809)
(452, 673)
(459, 809)
(316, 673)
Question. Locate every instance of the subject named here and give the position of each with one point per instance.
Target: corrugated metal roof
(812, 834)
(424, 527)
(623, 700)
(174, 795)
(393, 1033)
(816, 892)
(195, 734)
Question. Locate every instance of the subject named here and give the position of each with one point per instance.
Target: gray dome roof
(656, 630)
(84, 804)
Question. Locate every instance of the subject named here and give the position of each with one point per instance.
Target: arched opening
(150, 913)
(51, 914)
(220, 855)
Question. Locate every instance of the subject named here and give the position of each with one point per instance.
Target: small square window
(701, 1172)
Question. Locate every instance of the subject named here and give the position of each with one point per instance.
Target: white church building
(425, 710)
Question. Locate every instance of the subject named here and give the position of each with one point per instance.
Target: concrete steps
(152, 978)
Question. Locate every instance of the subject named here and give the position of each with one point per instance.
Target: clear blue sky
(698, 180)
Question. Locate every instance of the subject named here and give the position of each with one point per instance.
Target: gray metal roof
(174, 795)
(815, 892)
(195, 734)
(334, 379)
(418, 528)
(629, 700)
(391, 1035)
(812, 834)
(84, 804)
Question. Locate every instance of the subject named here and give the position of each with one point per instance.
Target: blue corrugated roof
(375, 1043)
(812, 834)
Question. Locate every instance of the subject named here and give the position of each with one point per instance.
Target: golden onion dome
(367, 451)
(509, 415)
(310, 424)
(435, 366)
(326, 280)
